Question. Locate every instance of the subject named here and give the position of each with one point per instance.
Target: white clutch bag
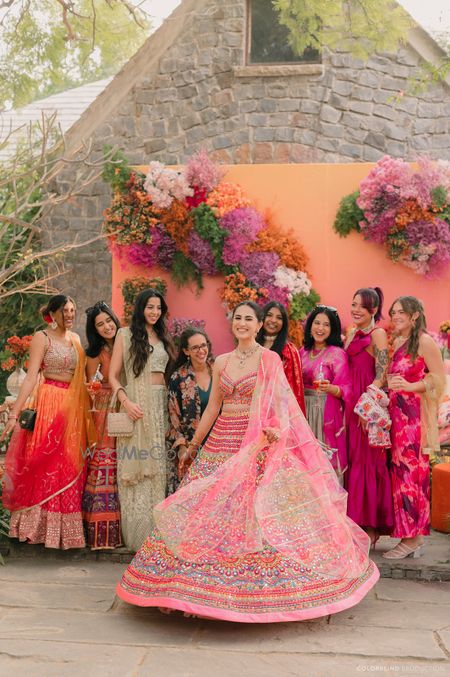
(118, 423)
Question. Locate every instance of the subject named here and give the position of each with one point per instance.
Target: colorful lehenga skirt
(56, 522)
(101, 509)
(260, 587)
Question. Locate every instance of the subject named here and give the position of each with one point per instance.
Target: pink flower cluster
(164, 185)
(201, 254)
(242, 224)
(201, 172)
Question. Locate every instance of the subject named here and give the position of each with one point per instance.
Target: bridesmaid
(416, 381)
(101, 510)
(274, 336)
(367, 479)
(327, 382)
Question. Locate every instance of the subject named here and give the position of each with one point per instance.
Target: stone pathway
(60, 618)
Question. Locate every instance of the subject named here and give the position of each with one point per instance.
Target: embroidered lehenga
(45, 469)
(142, 458)
(101, 509)
(255, 533)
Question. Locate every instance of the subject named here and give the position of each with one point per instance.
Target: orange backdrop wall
(306, 197)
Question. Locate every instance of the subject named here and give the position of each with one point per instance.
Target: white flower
(295, 281)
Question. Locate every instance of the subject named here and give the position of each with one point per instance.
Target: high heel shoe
(402, 551)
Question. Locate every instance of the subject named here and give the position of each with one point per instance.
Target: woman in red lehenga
(416, 381)
(257, 532)
(274, 336)
(101, 509)
(44, 468)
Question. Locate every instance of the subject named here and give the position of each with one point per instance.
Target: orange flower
(178, 224)
(236, 289)
(225, 198)
(410, 212)
(284, 243)
(296, 332)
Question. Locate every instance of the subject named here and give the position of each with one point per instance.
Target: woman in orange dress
(45, 467)
(101, 508)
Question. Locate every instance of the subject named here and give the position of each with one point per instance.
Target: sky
(431, 14)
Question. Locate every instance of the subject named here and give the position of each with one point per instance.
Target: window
(268, 40)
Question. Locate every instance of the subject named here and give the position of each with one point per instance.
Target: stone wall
(203, 95)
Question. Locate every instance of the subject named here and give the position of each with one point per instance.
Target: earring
(54, 324)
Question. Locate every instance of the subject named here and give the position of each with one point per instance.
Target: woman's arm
(37, 351)
(379, 344)
(430, 352)
(92, 364)
(133, 410)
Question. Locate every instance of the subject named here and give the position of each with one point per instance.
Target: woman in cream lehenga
(143, 351)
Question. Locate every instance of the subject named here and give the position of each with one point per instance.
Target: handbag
(27, 419)
(118, 423)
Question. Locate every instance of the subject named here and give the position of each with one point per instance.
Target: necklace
(314, 357)
(270, 338)
(244, 355)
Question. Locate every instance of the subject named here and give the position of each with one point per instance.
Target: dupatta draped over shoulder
(296, 506)
(34, 474)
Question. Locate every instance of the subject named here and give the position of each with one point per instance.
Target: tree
(53, 45)
(357, 26)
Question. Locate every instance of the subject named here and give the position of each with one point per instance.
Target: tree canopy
(53, 45)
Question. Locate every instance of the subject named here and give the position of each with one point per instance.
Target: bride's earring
(54, 324)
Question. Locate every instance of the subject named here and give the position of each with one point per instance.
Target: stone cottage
(211, 77)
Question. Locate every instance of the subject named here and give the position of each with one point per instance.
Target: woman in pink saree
(257, 531)
(328, 387)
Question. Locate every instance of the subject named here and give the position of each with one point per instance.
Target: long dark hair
(188, 333)
(282, 336)
(55, 303)
(140, 347)
(371, 298)
(335, 338)
(411, 305)
(95, 341)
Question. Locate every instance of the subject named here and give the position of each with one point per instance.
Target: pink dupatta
(296, 506)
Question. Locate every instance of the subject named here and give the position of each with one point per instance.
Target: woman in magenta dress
(274, 336)
(257, 531)
(326, 377)
(367, 478)
(416, 381)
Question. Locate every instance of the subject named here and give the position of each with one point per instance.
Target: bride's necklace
(244, 355)
(314, 357)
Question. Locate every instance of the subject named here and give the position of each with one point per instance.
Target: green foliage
(348, 216)
(38, 59)
(132, 286)
(439, 196)
(116, 170)
(356, 26)
(207, 226)
(302, 305)
(184, 271)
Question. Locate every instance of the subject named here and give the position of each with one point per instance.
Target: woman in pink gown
(327, 383)
(367, 479)
(257, 532)
(416, 380)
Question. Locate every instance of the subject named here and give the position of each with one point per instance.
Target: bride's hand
(272, 434)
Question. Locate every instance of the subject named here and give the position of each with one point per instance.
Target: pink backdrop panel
(305, 198)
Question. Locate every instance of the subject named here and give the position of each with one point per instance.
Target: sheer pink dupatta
(296, 505)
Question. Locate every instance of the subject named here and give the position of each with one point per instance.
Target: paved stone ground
(60, 618)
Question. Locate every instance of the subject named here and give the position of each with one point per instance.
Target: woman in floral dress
(416, 381)
(257, 531)
(189, 390)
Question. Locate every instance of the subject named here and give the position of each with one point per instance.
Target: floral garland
(407, 211)
(192, 223)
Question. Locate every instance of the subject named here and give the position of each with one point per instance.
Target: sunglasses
(100, 305)
(332, 309)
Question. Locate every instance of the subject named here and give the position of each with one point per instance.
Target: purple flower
(165, 247)
(201, 254)
(259, 267)
(140, 254)
(274, 293)
(242, 224)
